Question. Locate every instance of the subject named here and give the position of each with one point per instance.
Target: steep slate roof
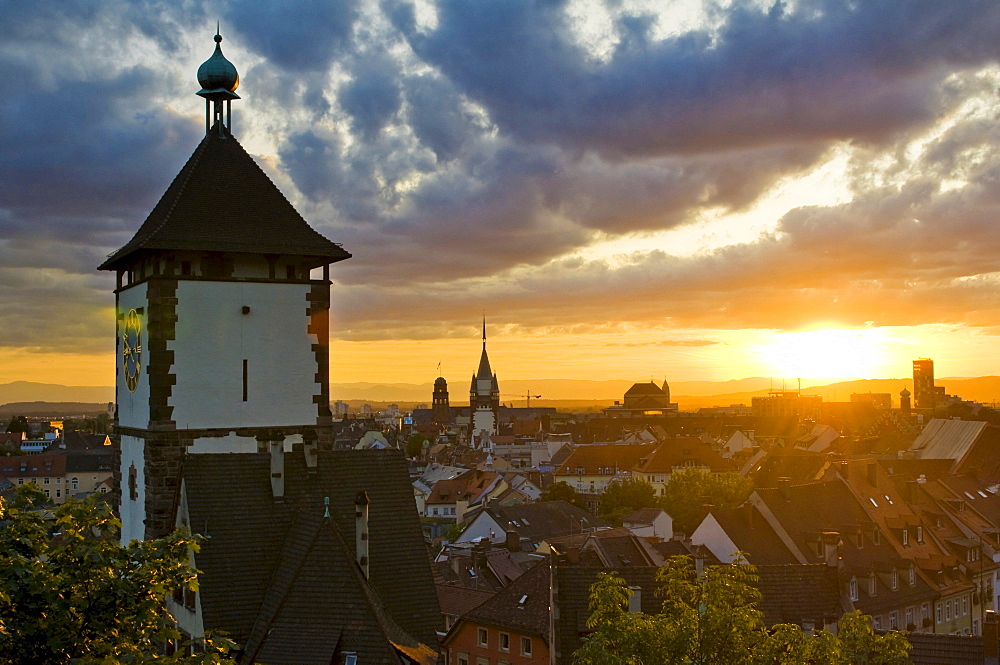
(281, 578)
(936, 649)
(751, 533)
(798, 593)
(948, 439)
(505, 611)
(545, 519)
(222, 201)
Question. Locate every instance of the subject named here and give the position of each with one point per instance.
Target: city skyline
(693, 193)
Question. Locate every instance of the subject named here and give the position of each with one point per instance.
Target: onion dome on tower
(218, 79)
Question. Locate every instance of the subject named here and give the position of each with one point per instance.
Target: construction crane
(527, 397)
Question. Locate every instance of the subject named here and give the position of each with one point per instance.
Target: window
(635, 599)
(483, 637)
(871, 585)
(965, 606)
(877, 621)
(925, 611)
(875, 537)
(920, 534)
(894, 579)
(525, 646)
(74, 483)
(20, 481)
(482, 660)
(913, 576)
(909, 619)
(45, 482)
(938, 612)
(893, 621)
(58, 481)
(947, 610)
(853, 586)
(972, 554)
(504, 642)
(58, 493)
(46, 493)
(906, 536)
(463, 659)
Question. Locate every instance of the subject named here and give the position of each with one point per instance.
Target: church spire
(218, 79)
(484, 332)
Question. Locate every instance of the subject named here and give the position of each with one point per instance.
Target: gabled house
(674, 454)
(512, 627)
(825, 523)
(650, 523)
(450, 499)
(589, 469)
(533, 523)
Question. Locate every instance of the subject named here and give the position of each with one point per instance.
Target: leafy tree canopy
(415, 444)
(624, 497)
(18, 424)
(713, 618)
(561, 491)
(70, 593)
(690, 489)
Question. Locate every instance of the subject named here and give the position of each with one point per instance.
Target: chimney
(991, 639)
(871, 474)
(513, 541)
(310, 447)
(277, 470)
(361, 530)
(831, 548)
(783, 484)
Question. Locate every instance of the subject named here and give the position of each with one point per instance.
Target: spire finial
(218, 32)
(484, 331)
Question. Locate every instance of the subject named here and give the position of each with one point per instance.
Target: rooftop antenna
(439, 368)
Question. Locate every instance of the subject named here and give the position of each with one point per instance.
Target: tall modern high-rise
(923, 383)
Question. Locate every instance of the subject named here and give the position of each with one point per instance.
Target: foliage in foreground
(70, 593)
(714, 618)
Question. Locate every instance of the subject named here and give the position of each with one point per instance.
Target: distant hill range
(561, 393)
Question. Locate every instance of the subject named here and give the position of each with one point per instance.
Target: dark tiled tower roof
(221, 201)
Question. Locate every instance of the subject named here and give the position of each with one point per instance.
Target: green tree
(561, 491)
(690, 489)
(415, 445)
(713, 617)
(627, 496)
(70, 593)
(18, 424)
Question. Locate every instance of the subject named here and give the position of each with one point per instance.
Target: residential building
(687, 452)
(590, 468)
(510, 628)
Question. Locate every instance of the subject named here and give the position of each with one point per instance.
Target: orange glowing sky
(628, 190)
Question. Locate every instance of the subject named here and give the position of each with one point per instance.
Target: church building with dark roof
(310, 555)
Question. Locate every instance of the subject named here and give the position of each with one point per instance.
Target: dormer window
(920, 534)
(972, 554)
(906, 536)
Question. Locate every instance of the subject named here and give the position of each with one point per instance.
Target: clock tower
(222, 308)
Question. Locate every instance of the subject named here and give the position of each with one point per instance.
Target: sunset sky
(628, 189)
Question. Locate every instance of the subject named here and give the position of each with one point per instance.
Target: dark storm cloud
(373, 97)
(828, 70)
(297, 35)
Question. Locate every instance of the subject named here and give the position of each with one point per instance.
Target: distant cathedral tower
(440, 407)
(484, 396)
(222, 307)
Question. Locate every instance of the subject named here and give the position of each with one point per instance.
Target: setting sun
(824, 353)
